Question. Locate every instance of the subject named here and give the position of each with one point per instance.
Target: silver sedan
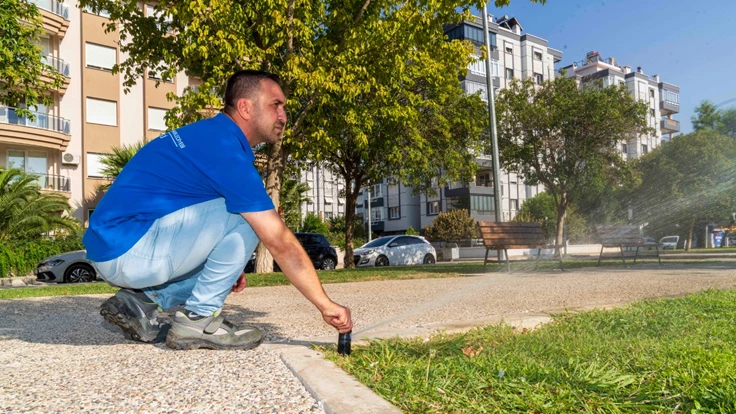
(70, 267)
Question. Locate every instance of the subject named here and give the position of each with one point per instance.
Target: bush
(455, 225)
(314, 224)
(411, 232)
(337, 229)
(19, 258)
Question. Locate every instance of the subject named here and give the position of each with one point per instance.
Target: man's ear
(245, 108)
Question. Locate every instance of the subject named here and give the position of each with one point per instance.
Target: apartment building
(662, 98)
(326, 193)
(89, 115)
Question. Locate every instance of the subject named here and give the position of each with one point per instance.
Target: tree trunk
(690, 235)
(351, 197)
(560, 230)
(276, 165)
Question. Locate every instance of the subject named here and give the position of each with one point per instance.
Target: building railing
(54, 6)
(53, 182)
(60, 65)
(8, 115)
(670, 124)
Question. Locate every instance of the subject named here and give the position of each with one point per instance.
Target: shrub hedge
(19, 258)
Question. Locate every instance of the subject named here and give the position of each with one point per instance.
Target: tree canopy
(565, 135)
(25, 78)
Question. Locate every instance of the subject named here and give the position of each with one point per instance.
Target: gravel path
(58, 355)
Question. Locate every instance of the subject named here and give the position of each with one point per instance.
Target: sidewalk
(60, 356)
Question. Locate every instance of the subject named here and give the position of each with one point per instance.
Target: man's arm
(297, 266)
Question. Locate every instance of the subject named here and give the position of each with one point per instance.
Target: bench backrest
(511, 235)
(612, 235)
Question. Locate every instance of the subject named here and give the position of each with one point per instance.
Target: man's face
(269, 114)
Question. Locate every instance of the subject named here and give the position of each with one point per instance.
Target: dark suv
(318, 249)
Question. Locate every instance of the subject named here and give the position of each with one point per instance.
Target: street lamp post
(490, 94)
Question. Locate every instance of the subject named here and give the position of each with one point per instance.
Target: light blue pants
(192, 256)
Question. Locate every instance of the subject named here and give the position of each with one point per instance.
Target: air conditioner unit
(69, 158)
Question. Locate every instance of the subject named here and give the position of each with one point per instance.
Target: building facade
(662, 99)
(89, 115)
(326, 193)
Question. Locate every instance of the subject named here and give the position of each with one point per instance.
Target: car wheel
(381, 261)
(328, 263)
(79, 273)
(429, 259)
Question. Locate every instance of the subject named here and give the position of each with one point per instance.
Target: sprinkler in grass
(343, 343)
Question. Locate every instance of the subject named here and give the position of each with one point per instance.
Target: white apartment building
(326, 193)
(89, 115)
(662, 99)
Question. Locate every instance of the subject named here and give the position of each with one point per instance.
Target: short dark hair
(244, 84)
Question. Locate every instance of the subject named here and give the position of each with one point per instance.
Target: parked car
(669, 242)
(395, 250)
(318, 248)
(70, 267)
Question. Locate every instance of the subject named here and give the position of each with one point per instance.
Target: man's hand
(339, 317)
(240, 284)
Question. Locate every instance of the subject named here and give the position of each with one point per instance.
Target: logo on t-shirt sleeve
(177, 139)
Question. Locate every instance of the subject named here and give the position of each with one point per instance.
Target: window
(102, 112)
(156, 121)
(651, 93)
(624, 148)
(100, 57)
(472, 33)
(377, 214)
(622, 83)
(537, 55)
(671, 97)
(477, 67)
(509, 48)
(101, 13)
(529, 192)
(475, 87)
(31, 162)
(433, 208)
(481, 203)
(484, 179)
(89, 213)
(94, 165)
(644, 149)
(513, 204)
(651, 111)
(329, 215)
(538, 78)
(394, 213)
(376, 191)
(509, 73)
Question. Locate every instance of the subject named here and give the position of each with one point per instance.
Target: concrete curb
(17, 281)
(335, 390)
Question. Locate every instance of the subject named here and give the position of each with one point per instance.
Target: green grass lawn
(665, 356)
(716, 250)
(340, 276)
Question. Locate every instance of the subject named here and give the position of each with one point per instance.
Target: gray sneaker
(192, 331)
(135, 314)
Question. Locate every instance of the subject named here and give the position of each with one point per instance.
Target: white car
(669, 242)
(395, 250)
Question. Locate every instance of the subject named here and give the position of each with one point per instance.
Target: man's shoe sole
(174, 341)
(118, 314)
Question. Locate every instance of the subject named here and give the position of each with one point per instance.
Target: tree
(411, 232)
(338, 230)
(728, 122)
(328, 54)
(27, 213)
(116, 160)
(25, 79)
(706, 117)
(566, 135)
(314, 224)
(293, 195)
(687, 182)
(542, 209)
(456, 225)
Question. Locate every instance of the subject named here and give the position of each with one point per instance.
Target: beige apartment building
(89, 115)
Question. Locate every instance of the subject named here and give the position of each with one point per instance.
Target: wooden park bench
(504, 236)
(622, 236)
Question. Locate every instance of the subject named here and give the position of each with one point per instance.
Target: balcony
(669, 126)
(667, 107)
(45, 130)
(56, 183)
(61, 66)
(55, 16)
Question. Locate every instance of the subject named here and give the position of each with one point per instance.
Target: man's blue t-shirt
(196, 163)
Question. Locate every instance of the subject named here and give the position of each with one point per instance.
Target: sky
(691, 44)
